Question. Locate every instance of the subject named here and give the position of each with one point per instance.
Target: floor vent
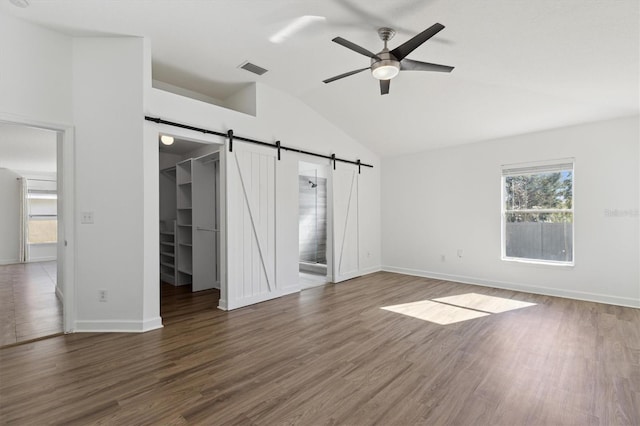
(253, 68)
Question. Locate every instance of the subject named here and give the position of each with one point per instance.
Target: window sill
(544, 263)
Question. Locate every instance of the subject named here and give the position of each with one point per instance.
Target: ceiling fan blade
(409, 65)
(355, 47)
(346, 74)
(384, 87)
(412, 44)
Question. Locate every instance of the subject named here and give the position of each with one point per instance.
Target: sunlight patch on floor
(482, 302)
(438, 313)
(453, 309)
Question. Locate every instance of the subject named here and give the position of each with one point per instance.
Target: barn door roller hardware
(277, 145)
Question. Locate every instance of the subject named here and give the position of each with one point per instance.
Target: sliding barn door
(262, 226)
(345, 224)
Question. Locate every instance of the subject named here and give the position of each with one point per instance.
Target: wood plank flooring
(308, 279)
(332, 355)
(29, 308)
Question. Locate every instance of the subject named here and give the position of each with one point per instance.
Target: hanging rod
(275, 145)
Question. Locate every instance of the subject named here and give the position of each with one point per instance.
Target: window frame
(532, 168)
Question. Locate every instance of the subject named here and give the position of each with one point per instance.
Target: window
(537, 212)
(41, 209)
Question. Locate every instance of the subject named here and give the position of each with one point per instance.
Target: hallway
(29, 308)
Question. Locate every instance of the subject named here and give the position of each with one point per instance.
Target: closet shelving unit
(168, 253)
(184, 233)
(205, 171)
(189, 227)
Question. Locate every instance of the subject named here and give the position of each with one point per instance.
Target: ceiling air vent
(253, 68)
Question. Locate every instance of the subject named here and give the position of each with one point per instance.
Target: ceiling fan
(386, 64)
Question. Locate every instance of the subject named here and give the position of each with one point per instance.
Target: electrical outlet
(443, 258)
(102, 295)
(460, 253)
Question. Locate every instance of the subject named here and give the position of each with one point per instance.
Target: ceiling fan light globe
(385, 69)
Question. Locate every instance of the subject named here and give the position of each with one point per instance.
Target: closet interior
(189, 215)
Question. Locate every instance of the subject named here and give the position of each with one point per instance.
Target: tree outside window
(538, 213)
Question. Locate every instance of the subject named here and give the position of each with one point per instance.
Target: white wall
(43, 252)
(108, 79)
(35, 76)
(169, 160)
(9, 216)
(437, 202)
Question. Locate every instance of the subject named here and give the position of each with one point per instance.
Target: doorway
(189, 244)
(31, 253)
(312, 224)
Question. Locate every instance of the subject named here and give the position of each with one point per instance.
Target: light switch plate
(86, 217)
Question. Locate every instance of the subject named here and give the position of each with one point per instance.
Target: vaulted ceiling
(520, 66)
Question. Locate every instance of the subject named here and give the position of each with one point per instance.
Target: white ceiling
(27, 150)
(521, 66)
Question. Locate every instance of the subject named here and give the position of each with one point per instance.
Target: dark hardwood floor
(29, 308)
(332, 355)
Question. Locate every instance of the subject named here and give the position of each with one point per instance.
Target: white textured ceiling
(521, 66)
(27, 149)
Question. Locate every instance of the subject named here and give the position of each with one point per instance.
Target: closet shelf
(185, 271)
(168, 258)
(186, 244)
(169, 171)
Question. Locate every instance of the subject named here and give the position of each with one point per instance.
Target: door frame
(65, 178)
(158, 129)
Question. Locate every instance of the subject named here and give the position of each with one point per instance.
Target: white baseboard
(371, 270)
(361, 272)
(527, 288)
(115, 326)
(32, 260)
(222, 305)
(42, 259)
(240, 303)
(344, 277)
